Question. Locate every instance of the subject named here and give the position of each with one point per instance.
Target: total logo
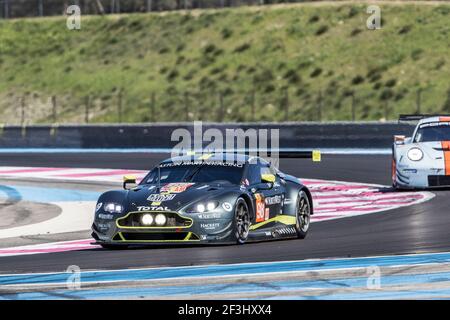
(152, 208)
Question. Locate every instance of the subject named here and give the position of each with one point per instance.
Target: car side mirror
(129, 182)
(268, 178)
(399, 140)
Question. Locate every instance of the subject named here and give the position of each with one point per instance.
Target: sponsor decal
(176, 187)
(267, 214)
(105, 216)
(434, 124)
(152, 208)
(103, 226)
(209, 216)
(99, 205)
(201, 162)
(260, 207)
(273, 200)
(160, 197)
(227, 206)
(209, 226)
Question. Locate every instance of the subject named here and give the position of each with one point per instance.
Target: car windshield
(428, 133)
(196, 174)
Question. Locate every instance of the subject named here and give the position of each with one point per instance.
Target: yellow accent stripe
(288, 220)
(187, 239)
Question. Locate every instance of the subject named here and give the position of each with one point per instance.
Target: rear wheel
(241, 221)
(303, 217)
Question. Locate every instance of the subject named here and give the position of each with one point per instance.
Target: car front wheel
(303, 215)
(241, 221)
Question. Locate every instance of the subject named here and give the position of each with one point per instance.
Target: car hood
(179, 195)
(432, 149)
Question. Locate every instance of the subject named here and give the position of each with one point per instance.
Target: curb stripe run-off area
(419, 276)
(332, 200)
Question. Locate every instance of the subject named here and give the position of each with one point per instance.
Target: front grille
(174, 220)
(439, 181)
(169, 236)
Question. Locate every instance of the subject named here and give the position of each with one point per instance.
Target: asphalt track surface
(416, 229)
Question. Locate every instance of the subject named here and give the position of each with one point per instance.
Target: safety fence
(32, 8)
(280, 105)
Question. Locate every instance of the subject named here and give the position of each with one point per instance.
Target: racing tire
(241, 221)
(303, 215)
(394, 175)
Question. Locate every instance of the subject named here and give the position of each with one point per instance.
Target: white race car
(423, 160)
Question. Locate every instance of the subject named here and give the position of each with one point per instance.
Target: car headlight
(415, 154)
(204, 207)
(160, 219)
(113, 208)
(147, 219)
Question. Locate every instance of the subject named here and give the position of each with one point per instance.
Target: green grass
(234, 53)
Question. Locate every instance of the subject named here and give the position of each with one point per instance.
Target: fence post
(221, 108)
(86, 110)
(6, 9)
(418, 100)
(319, 106)
(40, 8)
(54, 109)
(115, 6)
(152, 106)
(186, 106)
(22, 111)
(286, 104)
(253, 98)
(353, 107)
(386, 109)
(119, 106)
(149, 5)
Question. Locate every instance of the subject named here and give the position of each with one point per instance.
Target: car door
(273, 197)
(267, 197)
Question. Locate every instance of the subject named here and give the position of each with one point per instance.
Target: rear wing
(418, 117)
(314, 155)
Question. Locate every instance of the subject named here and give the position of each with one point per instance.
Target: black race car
(206, 199)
